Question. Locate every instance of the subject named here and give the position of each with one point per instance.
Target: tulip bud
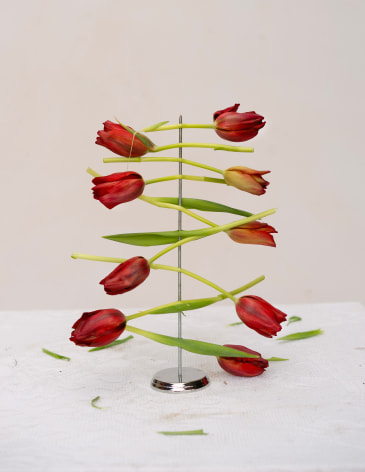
(253, 233)
(126, 276)
(121, 187)
(98, 328)
(259, 315)
(237, 127)
(246, 179)
(123, 142)
(243, 366)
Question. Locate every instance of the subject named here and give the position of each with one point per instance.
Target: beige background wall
(69, 65)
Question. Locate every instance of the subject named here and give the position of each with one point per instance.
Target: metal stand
(179, 379)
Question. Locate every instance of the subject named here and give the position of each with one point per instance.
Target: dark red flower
(126, 276)
(98, 328)
(121, 187)
(243, 366)
(253, 233)
(237, 127)
(246, 179)
(123, 142)
(259, 315)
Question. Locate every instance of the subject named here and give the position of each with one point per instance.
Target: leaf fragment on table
(94, 400)
(114, 343)
(235, 324)
(293, 319)
(274, 359)
(193, 432)
(301, 335)
(55, 355)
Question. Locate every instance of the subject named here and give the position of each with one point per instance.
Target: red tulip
(253, 233)
(237, 127)
(243, 366)
(259, 315)
(126, 276)
(246, 179)
(121, 187)
(123, 142)
(98, 328)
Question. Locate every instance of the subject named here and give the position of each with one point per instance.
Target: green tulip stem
(196, 277)
(185, 177)
(216, 147)
(89, 257)
(152, 201)
(92, 172)
(210, 231)
(212, 300)
(177, 126)
(162, 159)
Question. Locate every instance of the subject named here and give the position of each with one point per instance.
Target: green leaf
(301, 335)
(235, 324)
(293, 319)
(151, 239)
(193, 432)
(191, 345)
(114, 343)
(204, 205)
(154, 127)
(94, 400)
(56, 356)
(184, 305)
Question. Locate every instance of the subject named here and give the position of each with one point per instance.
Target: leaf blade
(114, 343)
(301, 335)
(203, 205)
(192, 432)
(55, 355)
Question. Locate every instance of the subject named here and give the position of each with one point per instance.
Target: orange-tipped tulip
(253, 233)
(246, 179)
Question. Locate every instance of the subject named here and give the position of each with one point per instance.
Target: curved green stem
(185, 177)
(89, 257)
(216, 147)
(162, 159)
(152, 201)
(177, 126)
(92, 172)
(210, 231)
(197, 277)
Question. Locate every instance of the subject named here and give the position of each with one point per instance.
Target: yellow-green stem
(185, 177)
(216, 147)
(92, 172)
(177, 126)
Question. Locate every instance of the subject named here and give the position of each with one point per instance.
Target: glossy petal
(237, 127)
(126, 276)
(243, 366)
(121, 187)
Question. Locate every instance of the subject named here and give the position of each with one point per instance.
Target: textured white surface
(306, 414)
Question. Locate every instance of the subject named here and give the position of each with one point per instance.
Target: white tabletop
(304, 414)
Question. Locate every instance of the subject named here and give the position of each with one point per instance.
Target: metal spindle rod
(179, 259)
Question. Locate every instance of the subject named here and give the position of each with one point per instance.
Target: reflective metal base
(168, 380)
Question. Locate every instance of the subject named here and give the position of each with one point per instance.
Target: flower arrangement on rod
(102, 327)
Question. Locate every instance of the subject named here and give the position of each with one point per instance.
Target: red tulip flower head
(237, 127)
(98, 328)
(259, 315)
(246, 179)
(243, 366)
(253, 233)
(121, 187)
(126, 276)
(122, 141)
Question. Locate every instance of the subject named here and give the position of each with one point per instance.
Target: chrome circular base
(168, 380)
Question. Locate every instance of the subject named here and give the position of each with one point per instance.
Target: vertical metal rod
(179, 259)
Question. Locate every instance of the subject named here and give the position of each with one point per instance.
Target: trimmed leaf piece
(293, 319)
(272, 359)
(154, 127)
(114, 343)
(183, 305)
(301, 335)
(193, 432)
(56, 356)
(94, 400)
(204, 205)
(191, 345)
(235, 324)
